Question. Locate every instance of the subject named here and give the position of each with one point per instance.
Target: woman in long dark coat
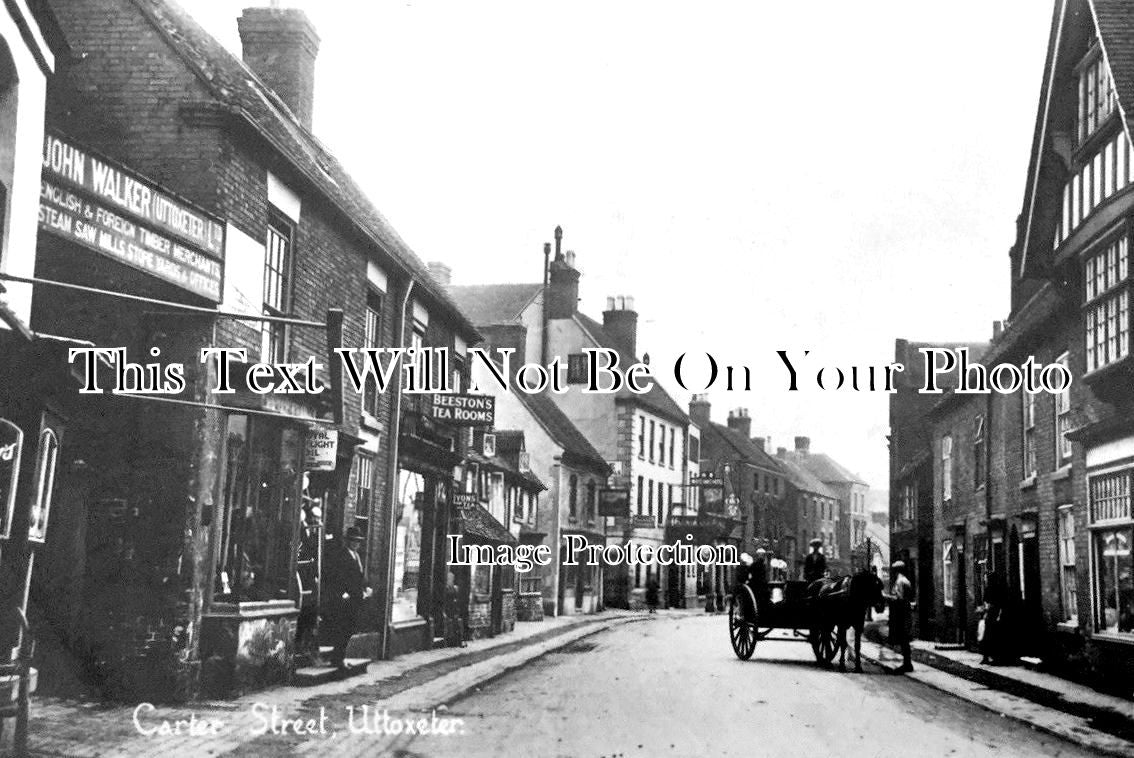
(652, 592)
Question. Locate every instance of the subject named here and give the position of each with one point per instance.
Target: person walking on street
(344, 591)
(652, 593)
(815, 564)
(901, 602)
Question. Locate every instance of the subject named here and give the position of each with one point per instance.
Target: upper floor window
(661, 444)
(978, 453)
(573, 496)
(1063, 419)
(908, 501)
(642, 437)
(1107, 312)
(277, 288)
(1096, 95)
(591, 500)
(672, 443)
(1028, 400)
(947, 468)
(371, 335)
(653, 429)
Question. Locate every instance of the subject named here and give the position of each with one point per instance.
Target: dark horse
(842, 602)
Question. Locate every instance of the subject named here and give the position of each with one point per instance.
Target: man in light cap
(901, 602)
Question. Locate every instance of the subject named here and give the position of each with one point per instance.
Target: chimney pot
(781, 452)
(570, 258)
(629, 302)
(610, 303)
(280, 45)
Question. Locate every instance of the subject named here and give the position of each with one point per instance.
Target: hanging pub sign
(706, 479)
(320, 449)
(104, 206)
(464, 410)
(614, 501)
(11, 445)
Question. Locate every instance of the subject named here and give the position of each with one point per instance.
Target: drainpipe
(392, 476)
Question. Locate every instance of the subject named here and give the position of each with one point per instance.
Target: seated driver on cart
(754, 573)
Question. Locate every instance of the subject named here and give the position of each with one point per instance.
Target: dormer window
(1096, 95)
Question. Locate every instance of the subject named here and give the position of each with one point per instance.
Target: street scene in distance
(432, 380)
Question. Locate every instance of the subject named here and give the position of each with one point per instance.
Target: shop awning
(478, 525)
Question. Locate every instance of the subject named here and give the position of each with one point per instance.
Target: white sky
(759, 176)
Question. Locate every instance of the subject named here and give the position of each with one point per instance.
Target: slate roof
(827, 469)
(490, 304)
(565, 433)
(741, 445)
(240, 92)
(657, 399)
(803, 479)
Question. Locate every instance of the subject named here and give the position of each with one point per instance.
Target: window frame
(946, 468)
(1106, 283)
(948, 585)
(277, 290)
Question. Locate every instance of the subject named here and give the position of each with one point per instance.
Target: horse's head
(866, 588)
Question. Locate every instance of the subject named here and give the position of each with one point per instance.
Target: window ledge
(372, 423)
(1122, 638)
(1028, 483)
(1071, 626)
(1062, 472)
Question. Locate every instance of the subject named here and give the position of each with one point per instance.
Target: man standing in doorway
(815, 564)
(345, 589)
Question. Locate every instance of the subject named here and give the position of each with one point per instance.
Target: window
(641, 495)
(1062, 419)
(652, 430)
(1107, 301)
(672, 445)
(642, 437)
(756, 481)
(946, 468)
(518, 511)
(371, 336)
(908, 502)
(46, 457)
(577, 368)
(591, 501)
(650, 498)
(1028, 403)
(1067, 579)
(573, 496)
(277, 289)
(1096, 96)
(413, 499)
(776, 486)
(661, 445)
(947, 572)
(978, 452)
(1111, 536)
(803, 505)
(363, 500)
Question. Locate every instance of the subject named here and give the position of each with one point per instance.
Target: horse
(844, 601)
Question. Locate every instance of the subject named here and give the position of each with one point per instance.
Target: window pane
(1115, 581)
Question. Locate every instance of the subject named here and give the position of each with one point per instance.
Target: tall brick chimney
(280, 45)
(740, 421)
(620, 321)
(699, 408)
(803, 445)
(563, 282)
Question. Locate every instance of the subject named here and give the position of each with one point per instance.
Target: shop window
(371, 337)
(1111, 529)
(947, 572)
(412, 499)
(1067, 577)
(1107, 305)
(260, 501)
(277, 287)
(482, 579)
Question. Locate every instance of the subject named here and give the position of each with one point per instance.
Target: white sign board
(321, 449)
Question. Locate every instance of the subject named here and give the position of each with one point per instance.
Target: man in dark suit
(344, 589)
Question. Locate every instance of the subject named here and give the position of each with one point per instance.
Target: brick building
(180, 525)
(851, 491)
(817, 509)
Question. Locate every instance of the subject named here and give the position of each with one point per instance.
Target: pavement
(1094, 720)
(618, 684)
(285, 720)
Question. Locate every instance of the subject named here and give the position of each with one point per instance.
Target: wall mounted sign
(104, 206)
(320, 449)
(464, 410)
(11, 445)
(614, 502)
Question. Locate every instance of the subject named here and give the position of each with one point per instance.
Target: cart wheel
(742, 626)
(824, 643)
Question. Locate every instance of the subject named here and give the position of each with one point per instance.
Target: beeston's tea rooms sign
(111, 210)
(464, 410)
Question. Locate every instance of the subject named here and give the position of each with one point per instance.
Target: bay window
(1107, 305)
(1096, 95)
